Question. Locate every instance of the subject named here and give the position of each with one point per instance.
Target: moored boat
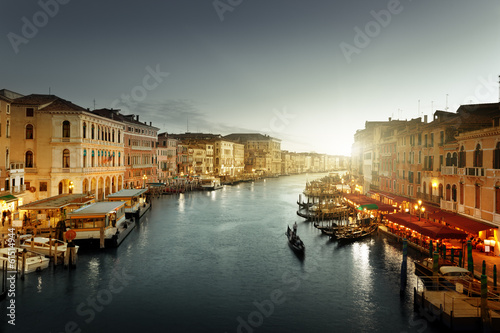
(44, 245)
(210, 184)
(14, 258)
(356, 233)
(103, 223)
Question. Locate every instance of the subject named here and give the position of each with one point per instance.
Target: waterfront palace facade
(452, 162)
(51, 146)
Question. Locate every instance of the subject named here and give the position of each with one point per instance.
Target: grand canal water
(219, 262)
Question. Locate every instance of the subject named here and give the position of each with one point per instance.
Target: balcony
(448, 205)
(18, 188)
(429, 198)
(475, 172)
(449, 170)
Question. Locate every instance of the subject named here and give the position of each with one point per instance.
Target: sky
(307, 72)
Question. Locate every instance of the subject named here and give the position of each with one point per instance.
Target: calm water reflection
(219, 262)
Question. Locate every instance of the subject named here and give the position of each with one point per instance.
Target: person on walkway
(295, 229)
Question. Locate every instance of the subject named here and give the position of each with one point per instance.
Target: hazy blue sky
(308, 72)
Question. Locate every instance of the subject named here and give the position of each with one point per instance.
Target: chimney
(425, 119)
(137, 118)
(390, 118)
(150, 123)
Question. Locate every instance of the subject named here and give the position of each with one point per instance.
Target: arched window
(65, 158)
(93, 160)
(478, 156)
(448, 159)
(496, 157)
(29, 132)
(85, 158)
(84, 130)
(454, 193)
(119, 159)
(448, 192)
(92, 132)
(66, 129)
(28, 160)
(441, 190)
(454, 159)
(113, 136)
(425, 188)
(461, 158)
(118, 139)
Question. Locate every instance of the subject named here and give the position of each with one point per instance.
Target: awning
(8, 198)
(460, 221)
(427, 228)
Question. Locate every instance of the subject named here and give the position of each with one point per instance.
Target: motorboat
(44, 245)
(13, 256)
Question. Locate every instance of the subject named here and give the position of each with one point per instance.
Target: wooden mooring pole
(404, 268)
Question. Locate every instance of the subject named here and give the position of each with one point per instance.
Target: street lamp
(71, 187)
(420, 209)
(144, 180)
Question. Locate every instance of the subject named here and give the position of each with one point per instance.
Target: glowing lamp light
(434, 184)
(487, 242)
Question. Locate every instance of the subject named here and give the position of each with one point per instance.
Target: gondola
(294, 241)
(355, 234)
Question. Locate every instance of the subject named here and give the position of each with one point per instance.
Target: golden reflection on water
(39, 286)
(93, 273)
(362, 272)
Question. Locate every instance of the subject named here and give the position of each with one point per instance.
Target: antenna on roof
(94, 103)
(187, 124)
(419, 108)
(446, 102)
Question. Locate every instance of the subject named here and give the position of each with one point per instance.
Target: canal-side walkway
(478, 257)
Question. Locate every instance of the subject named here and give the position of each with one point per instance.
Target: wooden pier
(456, 311)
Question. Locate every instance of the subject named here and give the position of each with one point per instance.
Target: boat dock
(455, 310)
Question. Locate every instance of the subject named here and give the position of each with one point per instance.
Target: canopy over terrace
(401, 202)
(427, 228)
(50, 211)
(356, 201)
(460, 222)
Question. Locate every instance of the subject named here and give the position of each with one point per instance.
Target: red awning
(460, 221)
(425, 227)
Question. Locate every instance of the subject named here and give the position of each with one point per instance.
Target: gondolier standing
(294, 229)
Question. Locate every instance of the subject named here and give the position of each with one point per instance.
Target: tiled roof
(62, 105)
(243, 137)
(35, 99)
(116, 115)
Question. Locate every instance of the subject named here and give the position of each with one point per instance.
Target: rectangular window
(30, 112)
(43, 186)
(432, 140)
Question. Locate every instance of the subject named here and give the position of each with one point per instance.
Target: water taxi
(103, 222)
(135, 201)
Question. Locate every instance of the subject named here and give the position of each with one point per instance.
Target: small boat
(425, 267)
(210, 184)
(294, 241)
(44, 245)
(357, 233)
(13, 256)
